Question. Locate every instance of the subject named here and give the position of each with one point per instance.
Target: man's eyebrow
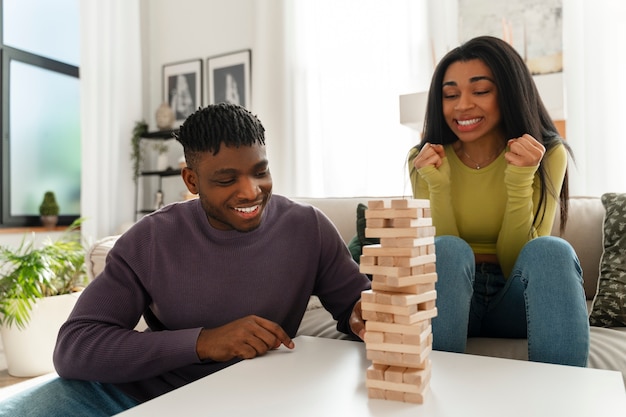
(472, 80)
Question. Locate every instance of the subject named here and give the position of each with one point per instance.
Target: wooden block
(405, 242)
(376, 394)
(374, 337)
(413, 349)
(390, 271)
(394, 395)
(417, 376)
(394, 374)
(387, 261)
(414, 360)
(401, 222)
(410, 299)
(408, 310)
(368, 260)
(378, 250)
(368, 296)
(380, 285)
(397, 348)
(414, 329)
(410, 203)
(415, 317)
(416, 398)
(406, 280)
(376, 371)
(393, 386)
(377, 223)
(427, 305)
(418, 231)
(383, 297)
(414, 261)
(395, 213)
(377, 204)
(377, 316)
(392, 338)
(414, 339)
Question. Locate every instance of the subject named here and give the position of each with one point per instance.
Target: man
(221, 278)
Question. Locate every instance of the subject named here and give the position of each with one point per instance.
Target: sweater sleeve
(523, 194)
(98, 341)
(434, 184)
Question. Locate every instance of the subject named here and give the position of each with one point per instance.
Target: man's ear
(190, 178)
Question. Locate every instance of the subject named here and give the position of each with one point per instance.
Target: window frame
(10, 54)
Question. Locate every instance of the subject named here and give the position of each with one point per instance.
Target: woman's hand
(430, 154)
(524, 151)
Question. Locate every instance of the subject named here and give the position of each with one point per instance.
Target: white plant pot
(29, 351)
(162, 162)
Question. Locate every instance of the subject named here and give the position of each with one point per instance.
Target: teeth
(468, 122)
(246, 209)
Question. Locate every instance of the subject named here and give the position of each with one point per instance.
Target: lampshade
(413, 109)
(550, 88)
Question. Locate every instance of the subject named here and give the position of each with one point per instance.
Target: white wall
(179, 30)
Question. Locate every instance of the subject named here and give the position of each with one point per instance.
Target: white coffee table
(326, 377)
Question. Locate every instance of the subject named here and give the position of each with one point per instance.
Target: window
(351, 60)
(40, 109)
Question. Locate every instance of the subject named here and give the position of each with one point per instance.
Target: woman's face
(470, 101)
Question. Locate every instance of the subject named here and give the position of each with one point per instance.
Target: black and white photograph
(229, 78)
(182, 88)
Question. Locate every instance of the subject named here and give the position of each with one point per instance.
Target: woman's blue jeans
(543, 300)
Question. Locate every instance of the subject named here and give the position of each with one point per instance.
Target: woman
(495, 170)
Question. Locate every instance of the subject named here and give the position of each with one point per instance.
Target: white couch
(584, 232)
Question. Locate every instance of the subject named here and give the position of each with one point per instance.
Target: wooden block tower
(399, 307)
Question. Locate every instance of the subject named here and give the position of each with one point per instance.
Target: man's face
(234, 186)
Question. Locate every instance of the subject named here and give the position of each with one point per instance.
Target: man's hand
(357, 324)
(245, 338)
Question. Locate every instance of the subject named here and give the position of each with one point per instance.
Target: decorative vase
(165, 116)
(49, 221)
(29, 351)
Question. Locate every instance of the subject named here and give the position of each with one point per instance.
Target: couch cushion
(95, 257)
(584, 232)
(609, 304)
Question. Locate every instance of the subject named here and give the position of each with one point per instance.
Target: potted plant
(140, 129)
(161, 148)
(49, 210)
(39, 285)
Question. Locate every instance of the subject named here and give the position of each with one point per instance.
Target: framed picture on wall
(182, 88)
(229, 78)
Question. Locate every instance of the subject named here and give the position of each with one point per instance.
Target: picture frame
(229, 78)
(182, 88)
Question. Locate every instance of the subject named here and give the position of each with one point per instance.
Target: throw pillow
(609, 304)
(359, 240)
(360, 227)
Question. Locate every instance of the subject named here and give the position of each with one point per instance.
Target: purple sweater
(183, 275)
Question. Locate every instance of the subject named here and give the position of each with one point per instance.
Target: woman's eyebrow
(472, 80)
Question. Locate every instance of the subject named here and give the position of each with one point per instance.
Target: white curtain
(594, 42)
(350, 61)
(111, 94)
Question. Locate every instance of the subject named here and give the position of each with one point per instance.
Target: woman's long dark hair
(521, 107)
